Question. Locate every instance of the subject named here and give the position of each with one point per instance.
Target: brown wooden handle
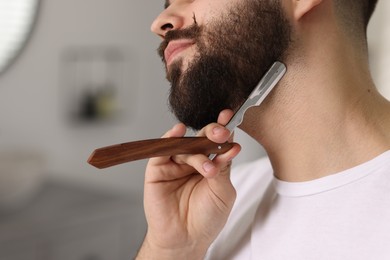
(122, 153)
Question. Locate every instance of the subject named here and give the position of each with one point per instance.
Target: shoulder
(244, 175)
(251, 180)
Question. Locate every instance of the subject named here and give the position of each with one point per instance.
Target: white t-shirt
(341, 216)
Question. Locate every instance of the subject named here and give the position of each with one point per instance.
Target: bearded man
(323, 192)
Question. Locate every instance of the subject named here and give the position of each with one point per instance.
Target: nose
(166, 21)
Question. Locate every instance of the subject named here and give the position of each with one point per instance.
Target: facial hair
(233, 53)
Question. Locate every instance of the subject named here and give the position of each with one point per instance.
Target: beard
(232, 54)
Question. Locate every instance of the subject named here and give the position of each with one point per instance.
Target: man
(324, 192)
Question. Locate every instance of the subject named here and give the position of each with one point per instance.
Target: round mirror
(17, 18)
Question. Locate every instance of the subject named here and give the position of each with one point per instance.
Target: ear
(303, 7)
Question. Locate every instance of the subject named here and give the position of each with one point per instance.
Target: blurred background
(75, 76)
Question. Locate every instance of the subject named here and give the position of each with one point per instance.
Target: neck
(325, 116)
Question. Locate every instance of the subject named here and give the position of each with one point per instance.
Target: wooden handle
(122, 153)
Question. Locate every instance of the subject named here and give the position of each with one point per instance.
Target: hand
(188, 198)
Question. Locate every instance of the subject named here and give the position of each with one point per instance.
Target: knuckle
(179, 159)
(225, 169)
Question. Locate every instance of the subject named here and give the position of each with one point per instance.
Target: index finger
(178, 130)
(217, 132)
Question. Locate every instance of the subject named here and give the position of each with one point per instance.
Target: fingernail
(217, 130)
(208, 166)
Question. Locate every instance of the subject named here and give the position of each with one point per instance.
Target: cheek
(206, 11)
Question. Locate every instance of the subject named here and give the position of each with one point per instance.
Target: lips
(174, 48)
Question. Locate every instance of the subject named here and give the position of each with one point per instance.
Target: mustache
(192, 32)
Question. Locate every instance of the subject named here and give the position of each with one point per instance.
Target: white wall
(30, 91)
(379, 36)
(31, 114)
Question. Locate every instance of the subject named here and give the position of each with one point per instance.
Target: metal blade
(261, 91)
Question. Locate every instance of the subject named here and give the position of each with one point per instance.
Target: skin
(184, 195)
(325, 116)
(228, 61)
